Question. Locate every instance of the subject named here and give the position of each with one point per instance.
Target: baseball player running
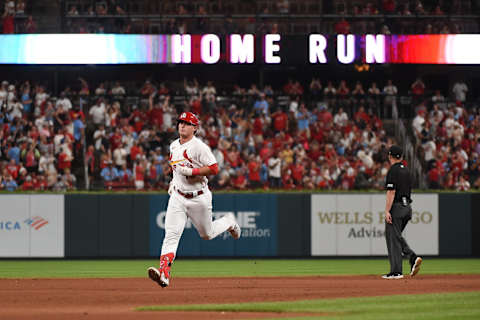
(191, 161)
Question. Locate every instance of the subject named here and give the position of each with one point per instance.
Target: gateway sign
(354, 225)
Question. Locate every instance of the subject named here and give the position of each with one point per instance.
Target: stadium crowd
(364, 7)
(449, 138)
(311, 136)
(236, 16)
(357, 17)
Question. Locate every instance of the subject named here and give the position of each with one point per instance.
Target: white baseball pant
(199, 210)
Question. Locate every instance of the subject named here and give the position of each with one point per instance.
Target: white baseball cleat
(235, 229)
(164, 280)
(158, 277)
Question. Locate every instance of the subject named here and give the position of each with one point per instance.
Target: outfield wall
(273, 225)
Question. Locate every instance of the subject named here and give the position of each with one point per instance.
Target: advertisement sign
(256, 215)
(353, 224)
(32, 226)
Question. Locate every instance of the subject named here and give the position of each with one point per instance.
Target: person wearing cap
(398, 212)
(191, 161)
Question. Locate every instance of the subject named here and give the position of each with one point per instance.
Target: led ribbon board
(60, 49)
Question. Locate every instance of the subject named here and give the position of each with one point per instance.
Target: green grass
(463, 305)
(222, 268)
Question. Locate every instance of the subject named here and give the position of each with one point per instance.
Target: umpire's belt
(189, 195)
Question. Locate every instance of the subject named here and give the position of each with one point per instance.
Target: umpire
(398, 212)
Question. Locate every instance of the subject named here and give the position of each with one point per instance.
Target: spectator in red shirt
(361, 118)
(155, 112)
(278, 141)
(138, 119)
(64, 160)
(342, 26)
(287, 88)
(257, 130)
(8, 18)
(389, 6)
(265, 151)
(140, 168)
(13, 168)
(314, 153)
(147, 89)
(317, 131)
(297, 88)
(196, 104)
(254, 172)
(239, 181)
(418, 87)
(330, 152)
(298, 171)
(116, 139)
(28, 184)
(135, 151)
(162, 89)
(40, 183)
(212, 136)
(324, 115)
(280, 121)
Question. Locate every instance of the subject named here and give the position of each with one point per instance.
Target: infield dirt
(117, 298)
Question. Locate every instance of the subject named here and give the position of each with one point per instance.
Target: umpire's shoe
(235, 229)
(415, 263)
(393, 275)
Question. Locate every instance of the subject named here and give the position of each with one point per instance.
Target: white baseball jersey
(192, 154)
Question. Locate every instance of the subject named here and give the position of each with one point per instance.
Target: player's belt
(189, 195)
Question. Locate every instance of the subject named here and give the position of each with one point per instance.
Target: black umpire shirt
(398, 179)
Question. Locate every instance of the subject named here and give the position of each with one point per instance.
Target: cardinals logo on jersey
(185, 157)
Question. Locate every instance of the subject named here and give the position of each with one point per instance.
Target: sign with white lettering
(239, 49)
(353, 224)
(32, 226)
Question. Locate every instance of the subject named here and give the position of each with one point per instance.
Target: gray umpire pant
(396, 243)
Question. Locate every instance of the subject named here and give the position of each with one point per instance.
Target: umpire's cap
(396, 152)
(188, 117)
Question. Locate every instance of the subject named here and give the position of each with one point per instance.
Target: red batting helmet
(189, 118)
